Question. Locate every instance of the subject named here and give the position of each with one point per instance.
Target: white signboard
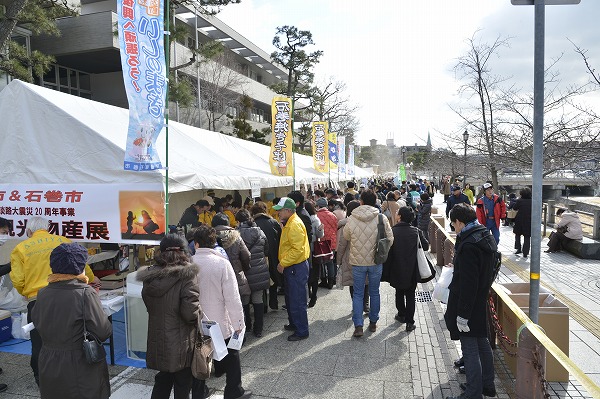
(255, 188)
(118, 213)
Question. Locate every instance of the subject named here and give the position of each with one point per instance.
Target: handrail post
(545, 218)
(529, 384)
(596, 226)
(551, 212)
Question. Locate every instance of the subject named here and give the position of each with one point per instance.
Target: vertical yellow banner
(333, 152)
(320, 133)
(280, 158)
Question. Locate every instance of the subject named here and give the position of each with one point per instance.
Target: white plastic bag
(18, 321)
(212, 329)
(441, 291)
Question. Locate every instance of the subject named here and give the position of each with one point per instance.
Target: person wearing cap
(490, 210)
(294, 251)
(457, 197)
(171, 295)
(205, 214)
(58, 317)
(30, 267)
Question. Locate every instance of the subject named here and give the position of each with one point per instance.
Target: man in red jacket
(329, 221)
(490, 209)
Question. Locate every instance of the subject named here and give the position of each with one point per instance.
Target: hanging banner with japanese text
(401, 172)
(141, 41)
(350, 166)
(341, 142)
(320, 133)
(117, 213)
(281, 158)
(333, 152)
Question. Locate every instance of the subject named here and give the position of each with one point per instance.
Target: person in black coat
(272, 230)
(457, 197)
(474, 254)
(522, 225)
(401, 269)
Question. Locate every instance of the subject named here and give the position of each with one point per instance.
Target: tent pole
(168, 65)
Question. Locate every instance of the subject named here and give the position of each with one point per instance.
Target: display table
(112, 301)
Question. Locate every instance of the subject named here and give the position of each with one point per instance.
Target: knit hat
(68, 259)
(220, 219)
(321, 203)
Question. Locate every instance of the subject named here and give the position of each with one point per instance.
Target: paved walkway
(389, 363)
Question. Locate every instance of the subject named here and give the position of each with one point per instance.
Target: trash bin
(136, 319)
(553, 318)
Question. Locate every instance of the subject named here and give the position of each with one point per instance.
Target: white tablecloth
(112, 304)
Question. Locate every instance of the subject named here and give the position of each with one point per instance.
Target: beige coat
(393, 207)
(343, 255)
(361, 232)
(219, 296)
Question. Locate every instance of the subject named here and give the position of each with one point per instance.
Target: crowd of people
(234, 259)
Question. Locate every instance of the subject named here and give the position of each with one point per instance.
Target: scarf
(56, 277)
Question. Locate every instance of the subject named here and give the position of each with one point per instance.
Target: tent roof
(52, 137)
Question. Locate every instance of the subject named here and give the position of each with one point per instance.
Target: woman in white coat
(220, 302)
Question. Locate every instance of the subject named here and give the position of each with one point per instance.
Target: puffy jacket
(238, 254)
(30, 262)
(219, 296)
(456, 199)
(317, 229)
(361, 231)
(571, 220)
(171, 297)
(330, 225)
(272, 230)
(293, 246)
(256, 242)
(499, 210)
(424, 213)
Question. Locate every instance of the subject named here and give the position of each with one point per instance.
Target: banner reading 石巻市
(128, 213)
(141, 42)
(333, 153)
(280, 157)
(320, 131)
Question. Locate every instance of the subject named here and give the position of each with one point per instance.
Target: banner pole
(293, 152)
(168, 65)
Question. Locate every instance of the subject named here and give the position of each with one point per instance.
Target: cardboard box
(521, 288)
(5, 326)
(553, 318)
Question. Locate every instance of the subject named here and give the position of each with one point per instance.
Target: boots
(258, 319)
(273, 304)
(330, 282)
(247, 317)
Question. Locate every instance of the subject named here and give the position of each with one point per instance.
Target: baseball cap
(209, 199)
(454, 188)
(286, 203)
(487, 185)
(321, 203)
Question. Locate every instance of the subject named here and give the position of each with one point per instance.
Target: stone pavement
(389, 363)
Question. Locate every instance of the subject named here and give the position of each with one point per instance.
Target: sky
(397, 57)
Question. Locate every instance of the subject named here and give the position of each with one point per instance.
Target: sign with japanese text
(117, 213)
(320, 133)
(401, 172)
(281, 158)
(333, 152)
(341, 141)
(141, 40)
(350, 165)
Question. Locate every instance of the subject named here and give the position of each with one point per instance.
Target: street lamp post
(404, 155)
(465, 138)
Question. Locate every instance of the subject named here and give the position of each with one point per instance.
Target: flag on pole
(333, 152)
(320, 131)
(141, 41)
(342, 154)
(350, 168)
(281, 158)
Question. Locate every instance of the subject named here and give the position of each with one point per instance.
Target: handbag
(426, 269)
(92, 347)
(202, 355)
(323, 250)
(382, 244)
(213, 330)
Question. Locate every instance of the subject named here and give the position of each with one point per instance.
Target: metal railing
(549, 218)
(532, 343)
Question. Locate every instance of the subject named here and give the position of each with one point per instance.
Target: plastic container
(136, 319)
(5, 325)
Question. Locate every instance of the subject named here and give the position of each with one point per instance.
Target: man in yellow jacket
(30, 268)
(294, 251)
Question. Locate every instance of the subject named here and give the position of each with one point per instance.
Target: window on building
(67, 80)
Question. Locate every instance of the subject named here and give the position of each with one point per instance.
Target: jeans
(360, 275)
(180, 381)
(479, 364)
(490, 224)
(296, 277)
(405, 304)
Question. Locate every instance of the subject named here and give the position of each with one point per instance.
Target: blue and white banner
(350, 167)
(141, 40)
(342, 154)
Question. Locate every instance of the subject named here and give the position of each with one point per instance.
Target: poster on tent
(320, 133)
(141, 42)
(280, 157)
(333, 153)
(95, 213)
(341, 141)
(350, 165)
